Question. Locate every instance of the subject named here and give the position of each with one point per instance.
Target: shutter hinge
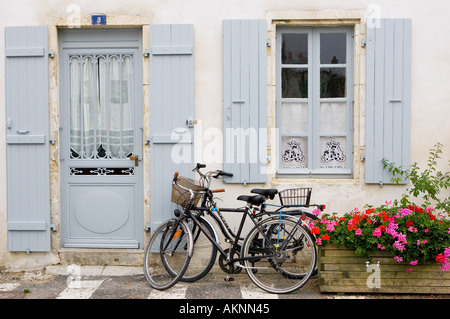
(363, 157)
(363, 43)
(146, 53)
(51, 54)
(268, 43)
(52, 227)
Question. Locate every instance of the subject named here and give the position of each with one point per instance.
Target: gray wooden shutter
(171, 112)
(27, 142)
(388, 97)
(245, 100)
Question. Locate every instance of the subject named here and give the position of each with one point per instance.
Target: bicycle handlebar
(200, 165)
(207, 176)
(222, 173)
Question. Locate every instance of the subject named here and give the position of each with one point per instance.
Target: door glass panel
(102, 125)
(103, 118)
(294, 83)
(88, 107)
(332, 82)
(333, 118)
(295, 49)
(294, 118)
(294, 152)
(333, 152)
(127, 107)
(75, 106)
(333, 48)
(115, 106)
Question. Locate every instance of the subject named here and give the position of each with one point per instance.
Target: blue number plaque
(98, 19)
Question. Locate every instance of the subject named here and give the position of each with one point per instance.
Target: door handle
(135, 158)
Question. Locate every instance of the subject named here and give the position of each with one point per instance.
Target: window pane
(294, 83)
(332, 82)
(295, 49)
(333, 152)
(294, 152)
(333, 48)
(294, 118)
(333, 118)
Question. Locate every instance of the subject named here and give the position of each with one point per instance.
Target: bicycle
(291, 198)
(266, 251)
(205, 251)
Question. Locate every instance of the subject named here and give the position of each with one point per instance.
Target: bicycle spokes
(280, 262)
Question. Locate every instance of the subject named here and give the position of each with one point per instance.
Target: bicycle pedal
(228, 278)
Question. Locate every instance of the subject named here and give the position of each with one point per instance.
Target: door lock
(135, 158)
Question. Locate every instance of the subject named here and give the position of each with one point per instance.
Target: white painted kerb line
(176, 292)
(8, 287)
(256, 293)
(80, 289)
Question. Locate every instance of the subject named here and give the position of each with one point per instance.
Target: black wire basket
(295, 196)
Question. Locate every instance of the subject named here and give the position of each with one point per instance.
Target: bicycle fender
(190, 247)
(216, 236)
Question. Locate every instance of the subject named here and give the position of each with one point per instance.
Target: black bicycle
(278, 253)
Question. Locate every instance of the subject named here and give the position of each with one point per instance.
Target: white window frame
(314, 100)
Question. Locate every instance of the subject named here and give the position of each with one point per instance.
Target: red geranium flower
(440, 258)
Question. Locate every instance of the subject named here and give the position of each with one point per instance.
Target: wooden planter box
(341, 270)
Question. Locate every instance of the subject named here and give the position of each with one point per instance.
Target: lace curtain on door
(101, 106)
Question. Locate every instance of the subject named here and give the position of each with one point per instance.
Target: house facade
(103, 101)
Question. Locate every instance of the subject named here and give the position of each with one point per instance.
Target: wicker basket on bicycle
(295, 196)
(181, 196)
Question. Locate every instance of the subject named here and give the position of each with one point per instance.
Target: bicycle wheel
(205, 252)
(168, 254)
(297, 245)
(279, 255)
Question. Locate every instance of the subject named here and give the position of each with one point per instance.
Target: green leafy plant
(427, 183)
(412, 234)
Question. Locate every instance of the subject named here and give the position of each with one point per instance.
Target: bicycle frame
(226, 231)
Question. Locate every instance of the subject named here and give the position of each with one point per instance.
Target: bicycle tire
(168, 254)
(269, 262)
(205, 252)
(313, 239)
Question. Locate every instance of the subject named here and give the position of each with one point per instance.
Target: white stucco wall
(430, 110)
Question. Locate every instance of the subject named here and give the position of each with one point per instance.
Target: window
(314, 100)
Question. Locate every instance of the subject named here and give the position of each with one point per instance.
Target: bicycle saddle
(271, 192)
(254, 200)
